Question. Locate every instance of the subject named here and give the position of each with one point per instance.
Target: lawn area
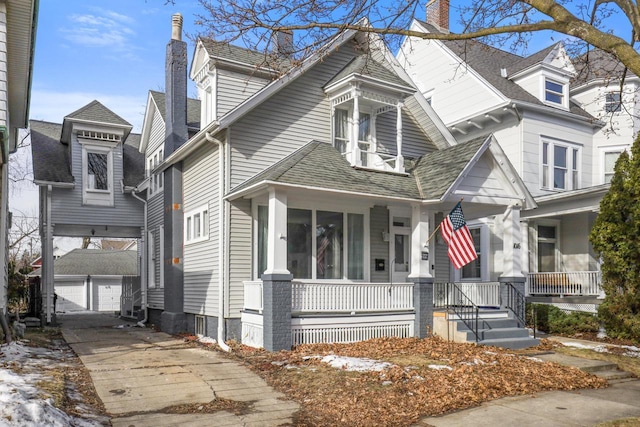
(392, 381)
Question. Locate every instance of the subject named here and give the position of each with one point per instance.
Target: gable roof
(96, 112)
(320, 166)
(95, 262)
(226, 52)
(599, 65)
(365, 65)
(488, 61)
(193, 108)
(51, 162)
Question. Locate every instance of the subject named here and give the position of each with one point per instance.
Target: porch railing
(516, 302)
(570, 283)
(315, 297)
(452, 297)
(486, 294)
(253, 295)
(131, 295)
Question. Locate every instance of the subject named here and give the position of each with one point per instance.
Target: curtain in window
(355, 246)
(329, 231)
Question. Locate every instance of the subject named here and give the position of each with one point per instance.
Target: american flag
(456, 233)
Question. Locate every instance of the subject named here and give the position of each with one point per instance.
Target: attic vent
(503, 72)
(103, 136)
(201, 329)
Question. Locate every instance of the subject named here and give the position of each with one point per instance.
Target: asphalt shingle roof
(50, 157)
(598, 64)
(488, 62)
(96, 112)
(193, 108)
(366, 66)
(320, 165)
(85, 262)
(252, 58)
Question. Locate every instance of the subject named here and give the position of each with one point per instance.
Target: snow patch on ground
(355, 363)
(631, 351)
(21, 402)
(207, 340)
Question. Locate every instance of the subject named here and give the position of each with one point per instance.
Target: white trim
(161, 255)
(151, 261)
(201, 229)
(92, 196)
(602, 151)
(570, 146)
(156, 178)
(485, 253)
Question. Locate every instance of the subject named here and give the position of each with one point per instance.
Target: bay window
(321, 244)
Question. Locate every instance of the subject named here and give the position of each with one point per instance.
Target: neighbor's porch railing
(571, 283)
(131, 295)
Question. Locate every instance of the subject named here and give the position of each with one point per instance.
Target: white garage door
(71, 296)
(109, 297)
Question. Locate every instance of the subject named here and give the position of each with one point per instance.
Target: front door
(400, 249)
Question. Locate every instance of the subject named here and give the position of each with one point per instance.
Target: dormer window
(97, 165)
(363, 91)
(553, 92)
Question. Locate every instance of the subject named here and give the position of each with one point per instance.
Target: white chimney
(176, 27)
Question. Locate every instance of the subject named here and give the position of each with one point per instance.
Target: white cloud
(104, 29)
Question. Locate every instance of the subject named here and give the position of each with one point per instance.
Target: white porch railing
(131, 295)
(571, 283)
(314, 297)
(253, 295)
(482, 294)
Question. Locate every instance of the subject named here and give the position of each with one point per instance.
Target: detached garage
(91, 279)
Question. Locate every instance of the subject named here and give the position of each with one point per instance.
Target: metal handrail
(516, 302)
(466, 310)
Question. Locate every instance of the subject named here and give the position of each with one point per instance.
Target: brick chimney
(438, 14)
(176, 132)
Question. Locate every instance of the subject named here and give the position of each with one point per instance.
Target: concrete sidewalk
(555, 408)
(138, 372)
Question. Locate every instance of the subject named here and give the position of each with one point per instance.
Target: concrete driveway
(138, 372)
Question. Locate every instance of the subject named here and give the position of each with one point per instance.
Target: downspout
(221, 241)
(143, 264)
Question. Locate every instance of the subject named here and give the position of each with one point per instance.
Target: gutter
(222, 241)
(143, 268)
(54, 184)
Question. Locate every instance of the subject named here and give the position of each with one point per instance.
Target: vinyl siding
(379, 223)
(67, 205)
(233, 88)
(414, 141)
(240, 254)
(157, 134)
(484, 180)
(434, 69)
(155, 218)
(201, 259)
(442, 266)
(286, 121)
(536, 126)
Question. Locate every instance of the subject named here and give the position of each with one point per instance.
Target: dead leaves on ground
(412, 387)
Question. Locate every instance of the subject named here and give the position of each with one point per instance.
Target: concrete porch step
(601, 368)
(512, 343)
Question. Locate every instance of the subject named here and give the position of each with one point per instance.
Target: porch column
(512, 252)
(276, 280)
(399, 157)
(46, 278)
(422, 223)
(355, 131)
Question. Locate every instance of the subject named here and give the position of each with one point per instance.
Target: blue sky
(109, 50)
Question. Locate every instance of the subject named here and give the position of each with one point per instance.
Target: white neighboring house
(553, 137)
(91, 279)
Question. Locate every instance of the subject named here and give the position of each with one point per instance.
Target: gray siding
(67, 205)
(155, 211)
(442, 265)
(202, 259)
(157, 134)
(414, 141)
(286, 121)
(240, 249)
(233, 89)
(379, 223)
